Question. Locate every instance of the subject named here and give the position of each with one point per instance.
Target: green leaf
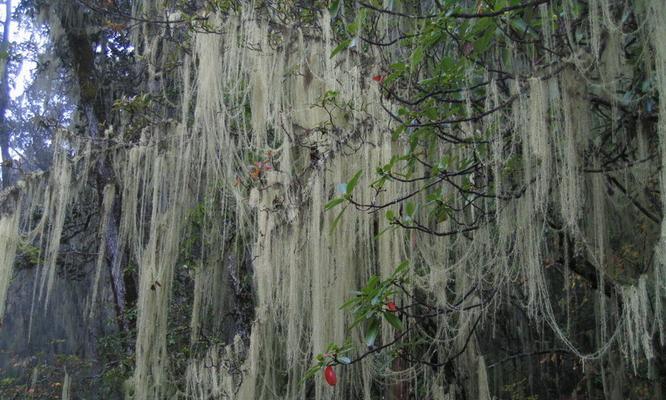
(357, 25)
(353, 181)
(483, 24)
(329, 97)
(398, 67)
(401, 268)
(397, 70)
(481, 44)
(523, 27)
(499, 4)
(379, 183)
(441, 213)
(397, 132)
(433, 38)
(393, 320)
(342, 46)
(410, 207)
(520, 25)
(333, 203)
(311, 372)
(349, 303)
(390, 215)
(337, 219)
(372, 283)
(344, 360)
(372, 332)
(416, 57)
(334, 8)
(356, 322)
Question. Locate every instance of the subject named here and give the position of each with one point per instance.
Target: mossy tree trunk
(5, 132)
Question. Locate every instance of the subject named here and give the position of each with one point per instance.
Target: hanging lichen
(9, 238)
(268, 127)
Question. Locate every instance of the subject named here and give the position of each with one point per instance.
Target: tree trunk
(398, 390)
(81, 46)
(7, 179)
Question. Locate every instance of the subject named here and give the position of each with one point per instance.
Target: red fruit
(329, 374)
(391, 306)
(377, 78)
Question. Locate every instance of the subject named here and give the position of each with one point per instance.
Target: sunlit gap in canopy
(27, 55)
